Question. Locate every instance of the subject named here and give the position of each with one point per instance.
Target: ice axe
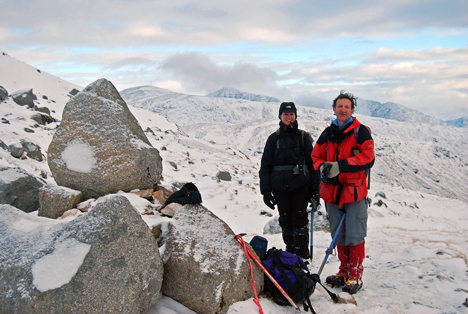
(335, 297)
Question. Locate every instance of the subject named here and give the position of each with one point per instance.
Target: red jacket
(337, 145)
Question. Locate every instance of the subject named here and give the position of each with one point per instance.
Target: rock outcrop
(100, 148)
(106, 261)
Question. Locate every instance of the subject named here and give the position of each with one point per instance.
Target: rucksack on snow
(290, 271)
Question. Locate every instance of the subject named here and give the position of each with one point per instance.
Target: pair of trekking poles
(248, 252)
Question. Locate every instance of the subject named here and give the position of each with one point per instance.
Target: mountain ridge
(228, 92)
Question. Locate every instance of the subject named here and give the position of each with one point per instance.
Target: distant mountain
(459, 123)
(186, 109)
(227, 92)
(394, 111)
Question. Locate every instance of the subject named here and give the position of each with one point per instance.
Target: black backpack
(188, 194)
(290, 271)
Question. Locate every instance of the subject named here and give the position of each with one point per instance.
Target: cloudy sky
(412, 52)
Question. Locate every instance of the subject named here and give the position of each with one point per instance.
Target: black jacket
(288, 146)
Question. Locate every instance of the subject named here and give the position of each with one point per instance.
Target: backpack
(294, 168)
(292, 274)
(188, 194)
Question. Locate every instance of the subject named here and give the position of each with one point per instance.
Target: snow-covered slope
(185, 109)
(16, 75)
(419, 156)
(394, 111)
(416, 248)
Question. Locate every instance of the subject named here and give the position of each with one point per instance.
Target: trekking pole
(313, 210)
(255, 259)
(332, 244)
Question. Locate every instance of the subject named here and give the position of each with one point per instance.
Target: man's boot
(340, 278)
(356, 257)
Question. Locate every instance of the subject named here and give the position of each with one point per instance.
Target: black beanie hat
(287, 107)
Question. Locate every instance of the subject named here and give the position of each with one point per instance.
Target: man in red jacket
(343, 153)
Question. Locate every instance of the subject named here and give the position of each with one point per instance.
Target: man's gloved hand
(316, 198)
(269, 200)
(334, 170)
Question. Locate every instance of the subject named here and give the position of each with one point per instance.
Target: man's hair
(344, 95)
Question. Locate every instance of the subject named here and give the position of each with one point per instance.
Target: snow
(58, 268)
(417, 244)
(10, 175)
(79, 156)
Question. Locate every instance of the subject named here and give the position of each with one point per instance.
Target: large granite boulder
(105, 261)
(20, 189)
(100, 148)
(205, 268)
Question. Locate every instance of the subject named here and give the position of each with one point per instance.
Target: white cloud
(392, 51)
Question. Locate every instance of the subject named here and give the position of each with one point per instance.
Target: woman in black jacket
(288, 179)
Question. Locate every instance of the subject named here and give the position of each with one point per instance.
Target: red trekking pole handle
(255, 259)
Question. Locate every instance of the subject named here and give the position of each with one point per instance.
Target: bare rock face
(205, 268)
(106, 261)
(100, 148)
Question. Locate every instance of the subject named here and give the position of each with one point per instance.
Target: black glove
(269, 200)
(315, 198)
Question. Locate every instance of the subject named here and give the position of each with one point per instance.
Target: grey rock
(105, 261)
(24, 98)
(44, 110)
(74, 92)
(19, 189)
(223, 175)
(380, 203)
(205, 268)
(16, 150)
(32, 150)
(55, 200)
(42, 118)
(4, 146)
(3, 93)
(380, 194)
(99, 147)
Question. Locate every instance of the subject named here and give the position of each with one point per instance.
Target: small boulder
(42, 118)
(32, 150)
(16, 150)
(171, 209)
(223, 176)
(4, 146)
(56, 200)
(3, 93)
(24, 97)
(19, 189)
